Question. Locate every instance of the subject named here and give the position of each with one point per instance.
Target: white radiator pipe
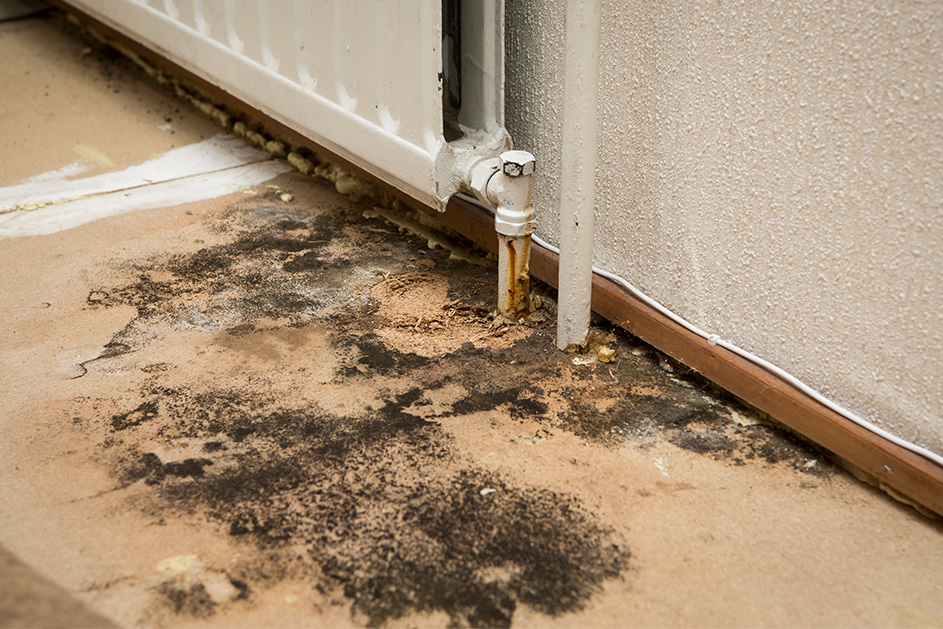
(578, 171)
(504, 183)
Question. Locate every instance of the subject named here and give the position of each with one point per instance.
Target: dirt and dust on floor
(279, 408)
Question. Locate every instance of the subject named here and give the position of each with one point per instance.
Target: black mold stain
(112, 349)
(135, 466)
(631, 415)
(476, 548)
(146, 411)
(188, 598)
(289, 224)
(315, 261)
(377, 500)
(148, 466)
(96, 297)
(186, 468)
(519, 402)
(376, 356)
(704, 443)
(382, 510)
(775, 445)
(394, 410)
(691, 423)
(276, 266)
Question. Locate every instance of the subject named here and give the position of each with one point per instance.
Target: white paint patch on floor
(52, 202)
(69, 214)
(93, 154)
(60, 174)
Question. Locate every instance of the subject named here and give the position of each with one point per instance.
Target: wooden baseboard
(912, 475)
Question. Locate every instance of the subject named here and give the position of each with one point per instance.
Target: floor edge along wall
(891, 466)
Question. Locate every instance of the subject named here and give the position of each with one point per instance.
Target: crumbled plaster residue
(303, 159)
(409, 220)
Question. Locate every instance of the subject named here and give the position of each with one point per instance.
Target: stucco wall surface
(772, 172)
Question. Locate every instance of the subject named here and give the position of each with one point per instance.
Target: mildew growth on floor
(381, 503)
(333, 354)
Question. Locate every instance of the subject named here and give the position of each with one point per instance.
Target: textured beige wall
(771, 171)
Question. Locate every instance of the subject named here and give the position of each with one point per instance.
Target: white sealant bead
(713, 339)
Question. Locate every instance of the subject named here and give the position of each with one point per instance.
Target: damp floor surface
(276, 408)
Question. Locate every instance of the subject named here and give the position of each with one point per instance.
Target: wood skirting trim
(910, 474)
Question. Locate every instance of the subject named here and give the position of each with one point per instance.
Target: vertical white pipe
(578, 170)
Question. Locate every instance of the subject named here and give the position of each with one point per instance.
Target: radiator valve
(504, 184)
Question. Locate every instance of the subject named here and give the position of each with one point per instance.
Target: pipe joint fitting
(513, 222)
(480, 176)
(509, 191)
(518, 163)
(504, 183)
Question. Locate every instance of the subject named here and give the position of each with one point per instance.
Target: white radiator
(362, 78)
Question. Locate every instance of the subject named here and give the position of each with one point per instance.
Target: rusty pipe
(514, 276)
(504, 183)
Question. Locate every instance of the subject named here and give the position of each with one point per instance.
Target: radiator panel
(362, 79)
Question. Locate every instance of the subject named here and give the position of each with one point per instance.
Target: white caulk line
(217, 153)
(9, 214)
(69, 214)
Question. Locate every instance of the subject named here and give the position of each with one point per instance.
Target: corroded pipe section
(505, 184)
(514, 276)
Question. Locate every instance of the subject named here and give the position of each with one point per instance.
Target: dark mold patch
(112, 349)
(186, 468)
(277, 266)
(310, 261)
(377, 356)
(136, 466)
(203, 264)
(289, 224)
(632, 415)
(395, 410)
(497, 546)
(678, 406)
(313, 261)
(97, 297)
(776, 444)
(382, 508)
(520, 402)
(379, 501)
(184, 596)
(704, 442)
(146, 411)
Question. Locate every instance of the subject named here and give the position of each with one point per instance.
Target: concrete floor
(272, 408)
